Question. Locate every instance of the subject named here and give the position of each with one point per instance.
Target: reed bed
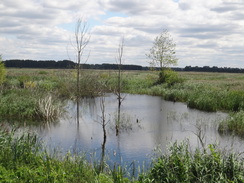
(23, 158)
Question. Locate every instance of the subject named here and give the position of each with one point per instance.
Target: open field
(222, 81)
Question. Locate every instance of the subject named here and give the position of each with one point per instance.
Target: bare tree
(163, 51)
(82, 38)
(119, 60)
(103, 123)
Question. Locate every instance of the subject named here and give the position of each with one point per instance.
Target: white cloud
(207, 32)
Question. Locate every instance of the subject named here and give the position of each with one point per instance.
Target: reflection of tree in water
(77, 140)
(102, 164)
(128, 123)
(103, 122)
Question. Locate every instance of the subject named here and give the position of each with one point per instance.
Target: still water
(147, 122)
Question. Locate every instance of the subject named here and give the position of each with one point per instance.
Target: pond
(147, 122)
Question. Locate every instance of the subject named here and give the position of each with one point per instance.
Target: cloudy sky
(206, 32)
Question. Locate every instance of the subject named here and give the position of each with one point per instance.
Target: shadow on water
(146, 122)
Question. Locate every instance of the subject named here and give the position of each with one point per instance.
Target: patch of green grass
(182, 165)
(28, 105)
(24, 159)
(233, 125)
(17, 104)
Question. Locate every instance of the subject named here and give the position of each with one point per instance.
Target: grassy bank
(204, 91)
(24, 159)
(40, 94)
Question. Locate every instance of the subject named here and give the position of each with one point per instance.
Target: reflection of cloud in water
(161, 122)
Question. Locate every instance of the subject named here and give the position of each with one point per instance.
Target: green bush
(23, 79)
(2, 71)
(169, 76)
(47, 85)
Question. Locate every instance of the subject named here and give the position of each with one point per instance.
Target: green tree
(163, 51)
(2, 71)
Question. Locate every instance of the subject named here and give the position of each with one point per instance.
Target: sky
(206, 32)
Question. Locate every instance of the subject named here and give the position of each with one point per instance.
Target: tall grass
(201, 96)
(17, 104)
(29, 105)
(48, 109)
(23, 158)
(183, 165)
(233, 125)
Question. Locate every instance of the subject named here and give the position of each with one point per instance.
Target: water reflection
(153, 122)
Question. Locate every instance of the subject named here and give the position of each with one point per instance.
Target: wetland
(176, 119)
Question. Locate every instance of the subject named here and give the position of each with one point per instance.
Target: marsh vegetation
(40, 96)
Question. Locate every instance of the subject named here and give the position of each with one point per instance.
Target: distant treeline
(67, 64)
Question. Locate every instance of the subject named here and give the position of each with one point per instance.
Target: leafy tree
(163, 51)
(2, 71)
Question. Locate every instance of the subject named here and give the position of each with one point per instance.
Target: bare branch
(82, 38)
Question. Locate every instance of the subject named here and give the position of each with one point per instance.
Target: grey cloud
(238, 16)
(200, 35)
(132, 7)
(207, 31)
(122, 5)
(103, 32)
(223, 9)
(137, 40)
(20, 15)
(228, 7)
(157, 29)
(5, 23)
(184, 6)
(234, 50)
(207, 45)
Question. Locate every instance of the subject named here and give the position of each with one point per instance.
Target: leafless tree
(103, 122)
(82, 38)
(119, 60)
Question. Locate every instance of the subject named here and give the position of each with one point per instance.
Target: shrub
(23, 79)
(169, 76)
(47, 85)
(2, 71)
